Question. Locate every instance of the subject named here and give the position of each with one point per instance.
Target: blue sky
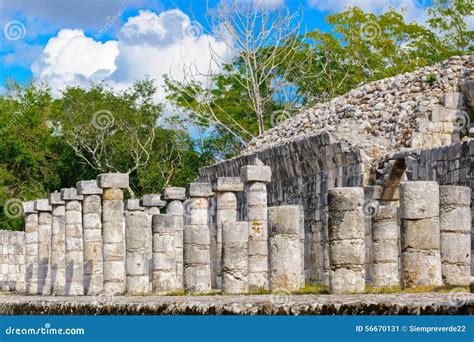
(75, 41)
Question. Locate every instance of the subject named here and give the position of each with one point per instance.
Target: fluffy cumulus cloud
(414, 9)
(72, 58)
(149, 45)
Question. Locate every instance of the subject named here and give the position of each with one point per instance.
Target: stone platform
(453, 303)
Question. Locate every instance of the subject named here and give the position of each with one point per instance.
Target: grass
(420, 289)
(318, 289)
(315, 289)
(381, 290)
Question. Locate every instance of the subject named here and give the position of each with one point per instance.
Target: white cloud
(72, 58)
(414, 9)
(149, 45)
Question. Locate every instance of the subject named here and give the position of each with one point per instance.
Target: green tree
(37, 155)
(33, 162)
(450, 17)
(364, 47)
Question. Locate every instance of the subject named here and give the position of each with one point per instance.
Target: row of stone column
(68, 252)
(12, 261)
(433, 240)
(87, 240)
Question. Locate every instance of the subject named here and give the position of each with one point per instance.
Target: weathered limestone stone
(420, 260)
(74, 242)
(174, 194)
(346, 235)
(226, 214)
(138, 282)
(418, 199)
(93, 241)
(284, 248)
(89, 187)
(164, 261)
(31, 249)
(255, 178)
(175, 208)
(302, 243)
(235, 258)
(199, 190)
(44, 246)
(58, 244)
(133, 205)
(197, 258)
(455, 229)
(113, 223)
(113, 181)
(256, 173)
(385, 236)
(152, 204)
(149, 201)
(372, 202)
(15, 261)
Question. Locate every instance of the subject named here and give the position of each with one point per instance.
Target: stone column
(385, 251)
(235, 258)
(284, 248)
(346, 240)
(455, 228)
(226, 189)
(44, 246)
(4, 261)
(58, 244)
(74, 242)
(302, 240)
(138, 280)
(419, 209)
(255, 178)
(31, 250)
(113, 223)
(164, 261)
(152, 204)
(17, 241)
(93, 241)
(175, 197)
(197, 257)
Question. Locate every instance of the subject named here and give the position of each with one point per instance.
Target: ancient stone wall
(302, 173)
(448, 165)
(12, 261)
(367, 137)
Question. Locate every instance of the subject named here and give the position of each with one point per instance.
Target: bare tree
(265, 38)
(261, 43)
(109, 131)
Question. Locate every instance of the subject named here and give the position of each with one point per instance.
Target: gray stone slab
(199, 190)
(55, 199)
(228, 184)
(152, 200)
(133, 205)
(29, 207)
(89, 187)
(71, 195)
(42, 205)
(174, 193)
(255, 173)
(113, 180)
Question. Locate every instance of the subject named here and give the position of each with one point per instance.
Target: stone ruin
(373, 187)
